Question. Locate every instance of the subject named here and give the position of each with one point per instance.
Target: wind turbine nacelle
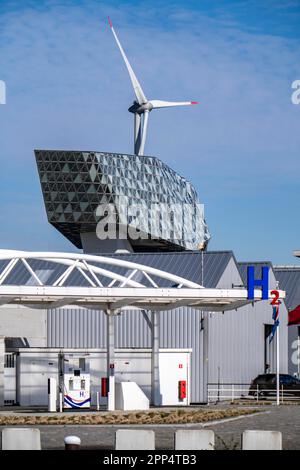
(137, 108)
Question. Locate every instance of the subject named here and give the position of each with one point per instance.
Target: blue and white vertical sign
(275, 317)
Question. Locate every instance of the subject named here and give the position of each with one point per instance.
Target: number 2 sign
(275, 295)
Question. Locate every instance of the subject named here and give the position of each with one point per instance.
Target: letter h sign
(263, 282)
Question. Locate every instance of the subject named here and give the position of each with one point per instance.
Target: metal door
(174, 367)
(40, 371)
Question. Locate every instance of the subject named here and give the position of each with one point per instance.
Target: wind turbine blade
(168, 104)
(141, 98)
(144, 134)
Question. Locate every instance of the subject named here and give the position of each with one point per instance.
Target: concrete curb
(227, 420)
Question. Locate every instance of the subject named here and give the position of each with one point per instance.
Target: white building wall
(37, 365)
(24, 322)
(21, 322)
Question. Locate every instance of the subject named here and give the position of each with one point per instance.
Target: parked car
(265, 384)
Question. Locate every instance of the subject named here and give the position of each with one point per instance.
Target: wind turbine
(142, 106)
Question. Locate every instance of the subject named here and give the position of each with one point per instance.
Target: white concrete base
(129, 396)
(21, 439)
(129, 439)
(261, 440)
(194, 439)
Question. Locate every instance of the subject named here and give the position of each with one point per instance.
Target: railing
(217, 392)
(227, 391)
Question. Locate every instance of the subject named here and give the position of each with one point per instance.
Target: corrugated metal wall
(236, 339)
(76, 328)
(236, 344)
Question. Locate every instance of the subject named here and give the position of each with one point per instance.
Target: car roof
(266, 375)
(274, 375)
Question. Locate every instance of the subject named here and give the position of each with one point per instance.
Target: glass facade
(146, 194)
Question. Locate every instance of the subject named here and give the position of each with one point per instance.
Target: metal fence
(217, 392)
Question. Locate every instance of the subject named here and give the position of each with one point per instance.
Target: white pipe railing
(238, 391)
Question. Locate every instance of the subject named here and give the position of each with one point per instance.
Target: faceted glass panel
(74, 184)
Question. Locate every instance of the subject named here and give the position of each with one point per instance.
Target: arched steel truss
(49, 280)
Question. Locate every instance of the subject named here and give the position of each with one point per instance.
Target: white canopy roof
(46, 280)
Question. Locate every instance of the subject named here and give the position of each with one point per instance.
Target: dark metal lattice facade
(75, 183)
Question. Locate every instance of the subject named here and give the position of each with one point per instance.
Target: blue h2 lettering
(263, 282)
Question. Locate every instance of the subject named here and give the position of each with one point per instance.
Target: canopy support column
(2, 361)
(205, 322)
(110, 345)
(155, 388)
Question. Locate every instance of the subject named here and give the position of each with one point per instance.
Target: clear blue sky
(67, 88)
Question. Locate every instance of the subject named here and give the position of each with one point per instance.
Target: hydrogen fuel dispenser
(76, 383)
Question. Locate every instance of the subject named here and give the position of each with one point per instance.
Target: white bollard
(98, 400)
(131, 439)
(52, 394)
(194, 439)
(21, 439)
(261, 440)
(72, 442)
